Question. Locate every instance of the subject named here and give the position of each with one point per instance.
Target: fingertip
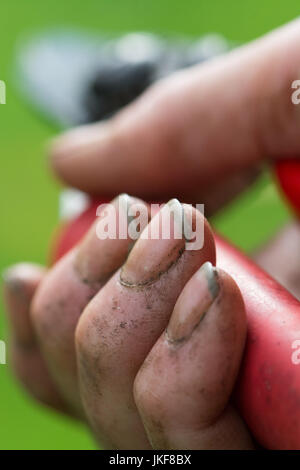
(19, 285)
(75, 156)
(233, 295)
(22, 277)
(63, 146)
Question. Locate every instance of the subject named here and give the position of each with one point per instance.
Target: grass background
(28, 194)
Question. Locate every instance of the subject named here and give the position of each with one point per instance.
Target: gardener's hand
(158, 343)
(186, 133)
(199, 135)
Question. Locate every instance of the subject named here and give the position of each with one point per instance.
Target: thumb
(193, 128)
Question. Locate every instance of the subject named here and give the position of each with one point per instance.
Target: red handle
(268, 389)
(288, 175)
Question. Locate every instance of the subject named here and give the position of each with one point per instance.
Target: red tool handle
(288, 175)
(268, 389)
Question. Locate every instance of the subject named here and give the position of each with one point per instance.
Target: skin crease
(159, 146)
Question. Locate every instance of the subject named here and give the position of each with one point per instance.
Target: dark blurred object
(75, 78)
(116, 87)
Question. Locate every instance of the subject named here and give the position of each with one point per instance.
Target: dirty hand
(145, 347)
(150, 358)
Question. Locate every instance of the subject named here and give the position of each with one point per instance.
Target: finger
(194, 128)
(121, 323)
(20, 283)
(183, 388)
(281, 258)
(65, 292)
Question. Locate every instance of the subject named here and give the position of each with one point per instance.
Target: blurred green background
(28, 194)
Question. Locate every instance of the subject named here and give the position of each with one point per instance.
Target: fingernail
(20, 283)
(10, 280)
(124, 201)
(14, 276)
(97, 258)
(16, 279)
(154, 253)
(194, 303)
